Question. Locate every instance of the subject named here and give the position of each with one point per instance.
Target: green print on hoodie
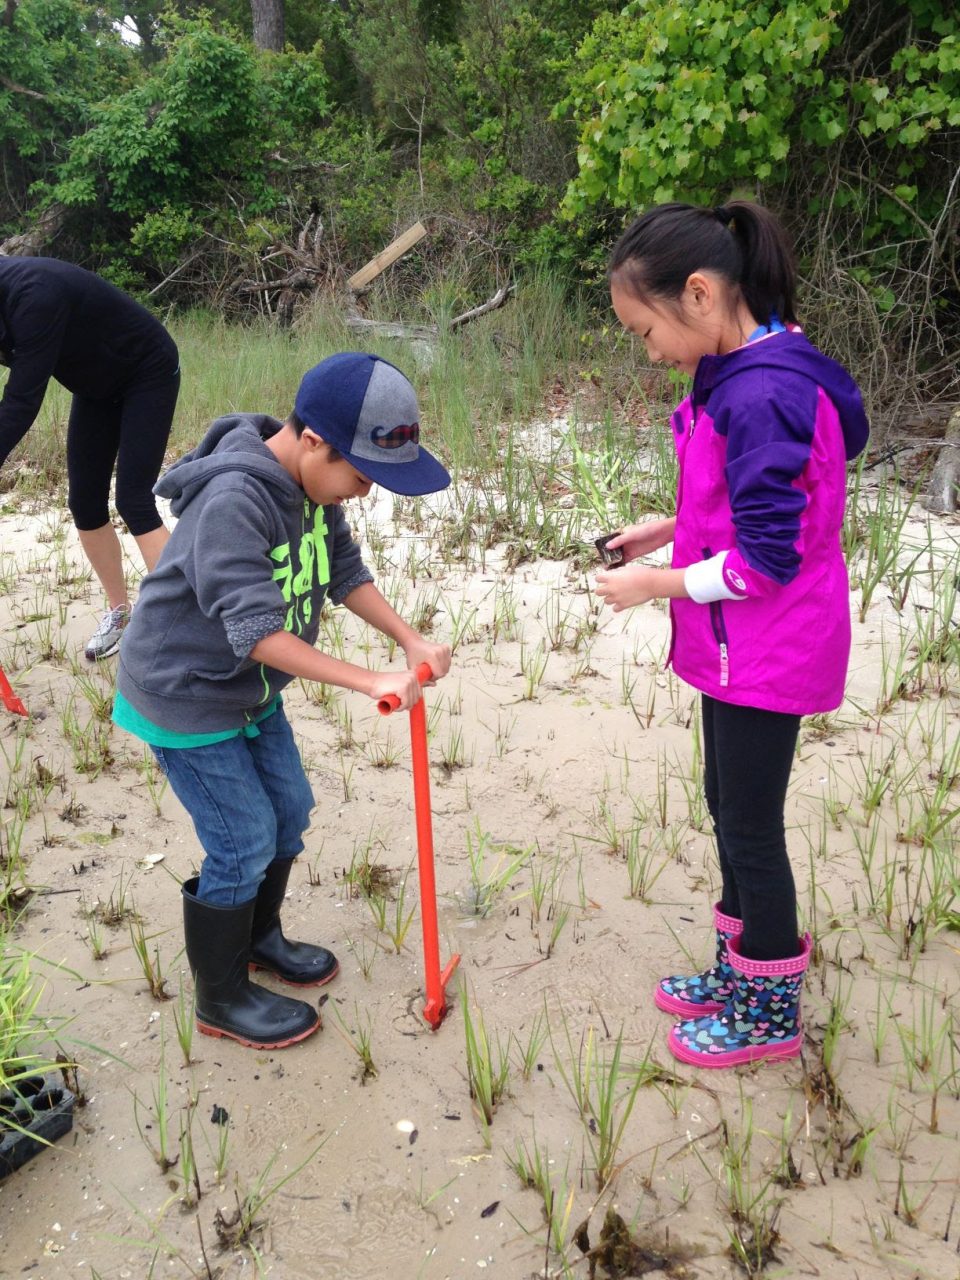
(311, 555)
(250, 555)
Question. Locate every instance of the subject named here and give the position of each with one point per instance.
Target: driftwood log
(941, 493)
(392, 329)
(427, 332)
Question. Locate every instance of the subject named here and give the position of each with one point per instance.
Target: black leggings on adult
(748, 754)
(130, 431)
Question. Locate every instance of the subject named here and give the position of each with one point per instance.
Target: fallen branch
(175, 272)
(491, 304)
(295, 280)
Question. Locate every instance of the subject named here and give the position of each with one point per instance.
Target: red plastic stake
(435, 982)
(10, 699)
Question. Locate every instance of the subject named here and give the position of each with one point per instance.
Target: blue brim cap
(367, 410)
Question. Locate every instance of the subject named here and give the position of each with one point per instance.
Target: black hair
(333, 455)
(741, 241)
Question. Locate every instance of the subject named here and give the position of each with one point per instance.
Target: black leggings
(131, 432)
(747, 756)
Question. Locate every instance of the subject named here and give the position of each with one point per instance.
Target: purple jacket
(762, 443)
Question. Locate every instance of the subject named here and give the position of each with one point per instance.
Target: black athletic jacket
(59, 321)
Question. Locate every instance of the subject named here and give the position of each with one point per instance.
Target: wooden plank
(385, 257)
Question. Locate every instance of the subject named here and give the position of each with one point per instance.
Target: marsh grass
(242, 1227)
(367, 876)
(532, 1166)
(155, 1135)
(154, 779)
(358, 1038)
(184, 1020)
(22, 1029)
(191, 1193)
(528, 1049)
(148, 960)
(493, 372)
(488, 1066)
(398, 927)
(604, 1089)
(88, 737)
(119, 907)
(488, 883)
(754, 1203)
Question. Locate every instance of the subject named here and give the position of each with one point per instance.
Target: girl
(759, 598)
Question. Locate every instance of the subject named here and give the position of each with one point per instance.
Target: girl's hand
(640, 539)
(637, 583)
(403, 684)
(629, 586)
(436, 656)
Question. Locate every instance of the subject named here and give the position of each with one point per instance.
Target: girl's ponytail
(768, 277)
(743, 242)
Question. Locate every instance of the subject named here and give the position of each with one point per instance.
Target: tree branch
(10, 84)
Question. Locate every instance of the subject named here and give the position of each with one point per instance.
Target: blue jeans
(250, 802)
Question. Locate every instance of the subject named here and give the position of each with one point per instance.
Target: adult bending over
(60, 321)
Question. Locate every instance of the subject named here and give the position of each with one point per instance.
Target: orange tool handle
(9, 698)
(391, 701)
(434, 980)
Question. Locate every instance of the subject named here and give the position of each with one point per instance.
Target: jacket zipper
(719, 632)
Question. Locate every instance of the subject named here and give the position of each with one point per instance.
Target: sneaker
(106, 639)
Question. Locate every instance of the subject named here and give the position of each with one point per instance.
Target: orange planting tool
(435, 982)
(10, 699)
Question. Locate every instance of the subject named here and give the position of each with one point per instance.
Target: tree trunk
(941, 495)
(268, 30)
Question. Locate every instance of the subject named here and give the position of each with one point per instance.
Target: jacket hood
(232, 443)
(794, 352)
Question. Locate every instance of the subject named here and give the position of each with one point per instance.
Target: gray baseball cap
(367, 410)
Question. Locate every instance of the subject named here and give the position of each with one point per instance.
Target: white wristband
(704, 581)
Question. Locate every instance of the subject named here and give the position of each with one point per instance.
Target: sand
(550, 785)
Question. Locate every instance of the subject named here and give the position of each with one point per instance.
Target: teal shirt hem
(128, 717)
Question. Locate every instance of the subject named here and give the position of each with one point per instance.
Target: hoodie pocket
(719, 625)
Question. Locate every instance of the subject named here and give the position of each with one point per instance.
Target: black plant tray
(40, 1105)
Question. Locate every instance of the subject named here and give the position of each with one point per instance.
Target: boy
(228, 618)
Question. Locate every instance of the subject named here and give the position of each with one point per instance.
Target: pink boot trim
(769, 968)
(727, 924)
(772, 1052)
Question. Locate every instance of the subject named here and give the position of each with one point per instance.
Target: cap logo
(395, 437)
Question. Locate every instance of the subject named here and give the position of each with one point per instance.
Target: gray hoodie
(250, 555)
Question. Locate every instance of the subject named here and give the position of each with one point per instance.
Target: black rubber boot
(228, 1003)
(300, 963)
